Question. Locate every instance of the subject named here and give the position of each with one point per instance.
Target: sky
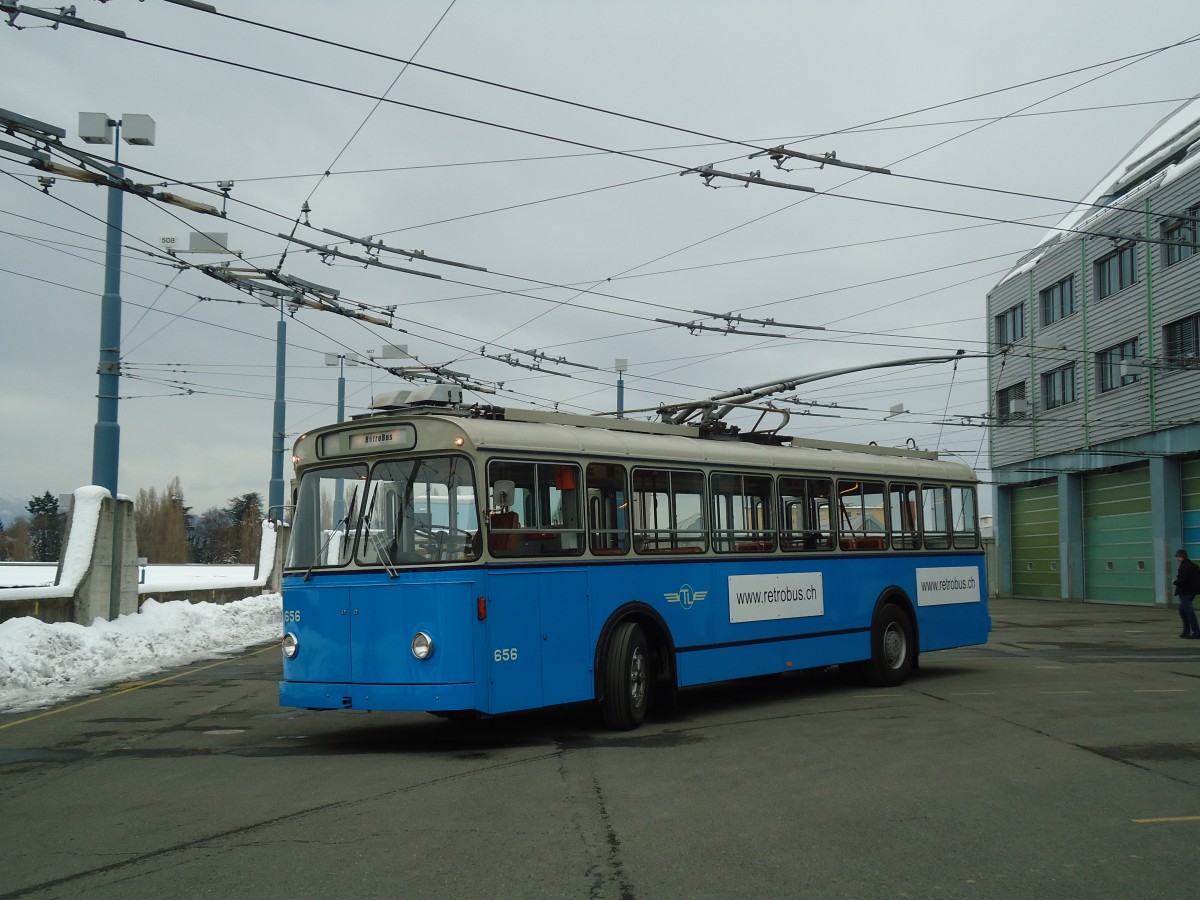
(42, 664)
(549, 144)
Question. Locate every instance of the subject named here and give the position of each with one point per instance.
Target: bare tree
(161, 523)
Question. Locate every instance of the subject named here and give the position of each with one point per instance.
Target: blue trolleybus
(479, 560)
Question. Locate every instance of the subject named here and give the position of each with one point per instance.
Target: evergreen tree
(214, 537)
(45, 527)
(4, 539)
(245, 506)
(229, 535)
(246, 512)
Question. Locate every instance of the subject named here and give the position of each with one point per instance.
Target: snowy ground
(44, 664)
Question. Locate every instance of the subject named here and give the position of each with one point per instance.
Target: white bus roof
(534, 432)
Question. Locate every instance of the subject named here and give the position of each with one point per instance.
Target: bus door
(385, 617)
(539, 651)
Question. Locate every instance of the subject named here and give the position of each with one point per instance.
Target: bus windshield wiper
(380, 548)
(343, 525)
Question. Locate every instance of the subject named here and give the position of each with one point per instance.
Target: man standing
(1187, 586)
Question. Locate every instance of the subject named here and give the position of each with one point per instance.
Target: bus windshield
(419, 511)
(328, 508)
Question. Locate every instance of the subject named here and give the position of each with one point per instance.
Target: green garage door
(1035, 541)
(1118, 546)
(1191, 508)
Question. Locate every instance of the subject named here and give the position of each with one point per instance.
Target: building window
(1110, 373)
(1183, 234)
(1010, 325)
(1181, 341)
(1010, 402)
(1116, 271)
(1058, 300)
(1058, 387)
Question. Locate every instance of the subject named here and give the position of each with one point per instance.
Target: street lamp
(341, 361)
(621, 365)
(98, 128)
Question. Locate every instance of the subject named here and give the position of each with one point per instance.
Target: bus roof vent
(422, 395)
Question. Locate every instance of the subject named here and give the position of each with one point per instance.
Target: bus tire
(627, 674)
(893, 648)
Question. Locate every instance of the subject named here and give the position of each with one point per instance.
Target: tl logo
(685, 597)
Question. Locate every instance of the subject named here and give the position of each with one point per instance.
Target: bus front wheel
(893, 648)
(626, 677)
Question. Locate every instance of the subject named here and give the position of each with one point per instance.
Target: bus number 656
(507, 654)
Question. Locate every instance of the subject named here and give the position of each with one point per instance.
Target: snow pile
(77, 546)
(44, 664)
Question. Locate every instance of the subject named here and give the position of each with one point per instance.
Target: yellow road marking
(1167, 820)
(132, 686)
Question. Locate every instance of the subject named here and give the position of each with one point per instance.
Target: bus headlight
(422, 645)
(290, 645)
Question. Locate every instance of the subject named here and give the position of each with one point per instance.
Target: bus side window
(902, 513)
(965, 522)
(546, 506)
(861, 515)
(668, 511)
(935, 517)
(805, 522)
(608, 506)
(741, 513)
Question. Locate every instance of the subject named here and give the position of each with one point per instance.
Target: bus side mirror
(503, 494)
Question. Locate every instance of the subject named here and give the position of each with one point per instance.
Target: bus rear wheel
(626, 678)
(893, 648)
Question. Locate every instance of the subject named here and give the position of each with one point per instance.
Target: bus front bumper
(410, 697)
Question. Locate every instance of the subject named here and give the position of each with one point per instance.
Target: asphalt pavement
(1059, 760)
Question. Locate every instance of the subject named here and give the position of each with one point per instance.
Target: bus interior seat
(503, 543)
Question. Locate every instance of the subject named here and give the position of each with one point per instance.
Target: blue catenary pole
(106, 444)
(275, 496)
(341, 389)
(339, 500)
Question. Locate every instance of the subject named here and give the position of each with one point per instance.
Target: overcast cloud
(506, 181)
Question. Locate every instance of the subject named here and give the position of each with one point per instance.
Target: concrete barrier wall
(97, 579)
(52, 609)
(203, 595)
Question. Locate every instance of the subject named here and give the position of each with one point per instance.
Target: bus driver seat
(503, 544)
